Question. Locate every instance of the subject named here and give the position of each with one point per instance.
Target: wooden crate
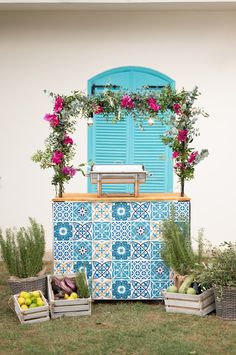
(68, 308)
(32, 315)
(199, 305)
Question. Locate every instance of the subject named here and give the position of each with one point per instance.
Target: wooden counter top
(148, 196)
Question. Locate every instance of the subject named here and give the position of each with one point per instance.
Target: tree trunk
(182, 186)
(60, 191)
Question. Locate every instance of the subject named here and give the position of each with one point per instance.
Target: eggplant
(57, 281)
(56, 289)
(195, 285)
(70, 283)
(65, 288)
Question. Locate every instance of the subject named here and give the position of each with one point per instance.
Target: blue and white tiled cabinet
(118, 243)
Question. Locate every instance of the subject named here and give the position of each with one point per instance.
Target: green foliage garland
(168, 106)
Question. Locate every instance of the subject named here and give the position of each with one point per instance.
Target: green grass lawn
(116, 328)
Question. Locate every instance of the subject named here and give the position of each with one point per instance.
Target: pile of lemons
(73, 296)
(29, 300)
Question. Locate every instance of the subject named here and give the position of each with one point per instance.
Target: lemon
(40, 302)
(73, 295)
(24, 294)
(24, 306)
(28, 301)
(33, 305)
(36, 294)
(66, 296)
(21, 300)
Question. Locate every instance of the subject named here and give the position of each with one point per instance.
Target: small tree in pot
(22, 252)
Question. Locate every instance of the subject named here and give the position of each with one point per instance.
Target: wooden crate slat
(71, 308)
(36, 315)
(206, 302)
(77, 301)
(182, 303)
(208, 309)
(183, 310)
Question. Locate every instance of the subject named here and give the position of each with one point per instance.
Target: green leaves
(23, 250)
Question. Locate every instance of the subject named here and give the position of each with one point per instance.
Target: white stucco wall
(61, 51)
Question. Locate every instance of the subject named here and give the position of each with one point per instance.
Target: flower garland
(172, 108)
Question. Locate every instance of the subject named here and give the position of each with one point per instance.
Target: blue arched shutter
(124, 142)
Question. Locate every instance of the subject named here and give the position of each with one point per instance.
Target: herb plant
(23, 250)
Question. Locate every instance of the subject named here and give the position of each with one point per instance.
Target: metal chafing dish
(118, 174)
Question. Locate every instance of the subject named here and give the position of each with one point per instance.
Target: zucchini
(186, 284)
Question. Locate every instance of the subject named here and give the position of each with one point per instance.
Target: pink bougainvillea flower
(68, 140)
(127, 102)
(54, 122)
(153, 104)
(57, 157)
(182, 136)
(59, 102)
(177, 109)
(175, 154)
(69, 171)
(179, 166)
(52, 119)
(99, 110)
(192, 157)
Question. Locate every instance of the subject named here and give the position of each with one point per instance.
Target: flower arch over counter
(170, 107)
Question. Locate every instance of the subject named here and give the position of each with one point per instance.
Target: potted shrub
(186, 295)
(22, 252)
(221, 274)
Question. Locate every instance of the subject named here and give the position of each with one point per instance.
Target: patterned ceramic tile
(82, 250)
(63, 231)
(181, 209)
(102, 269)
(82, 211)
(102, 289)
(160, 210)
(140, 289)
(156, 250)
(140, 210)
(121, 250)
(101, 230)
(63, 250)
(118, 243)
(140, 230)
(121, 211)
(155, 230)
(101, 211)
(121, 289)
(141, 250)
(63, 267)
(62, 212)
(157, 288)
(102, 250)
(159, 270)
(84, 265)
(121, 230)
(121, 270)
(140, 270)
(83, 231)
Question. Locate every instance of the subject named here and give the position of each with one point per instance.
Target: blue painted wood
(124, 142)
